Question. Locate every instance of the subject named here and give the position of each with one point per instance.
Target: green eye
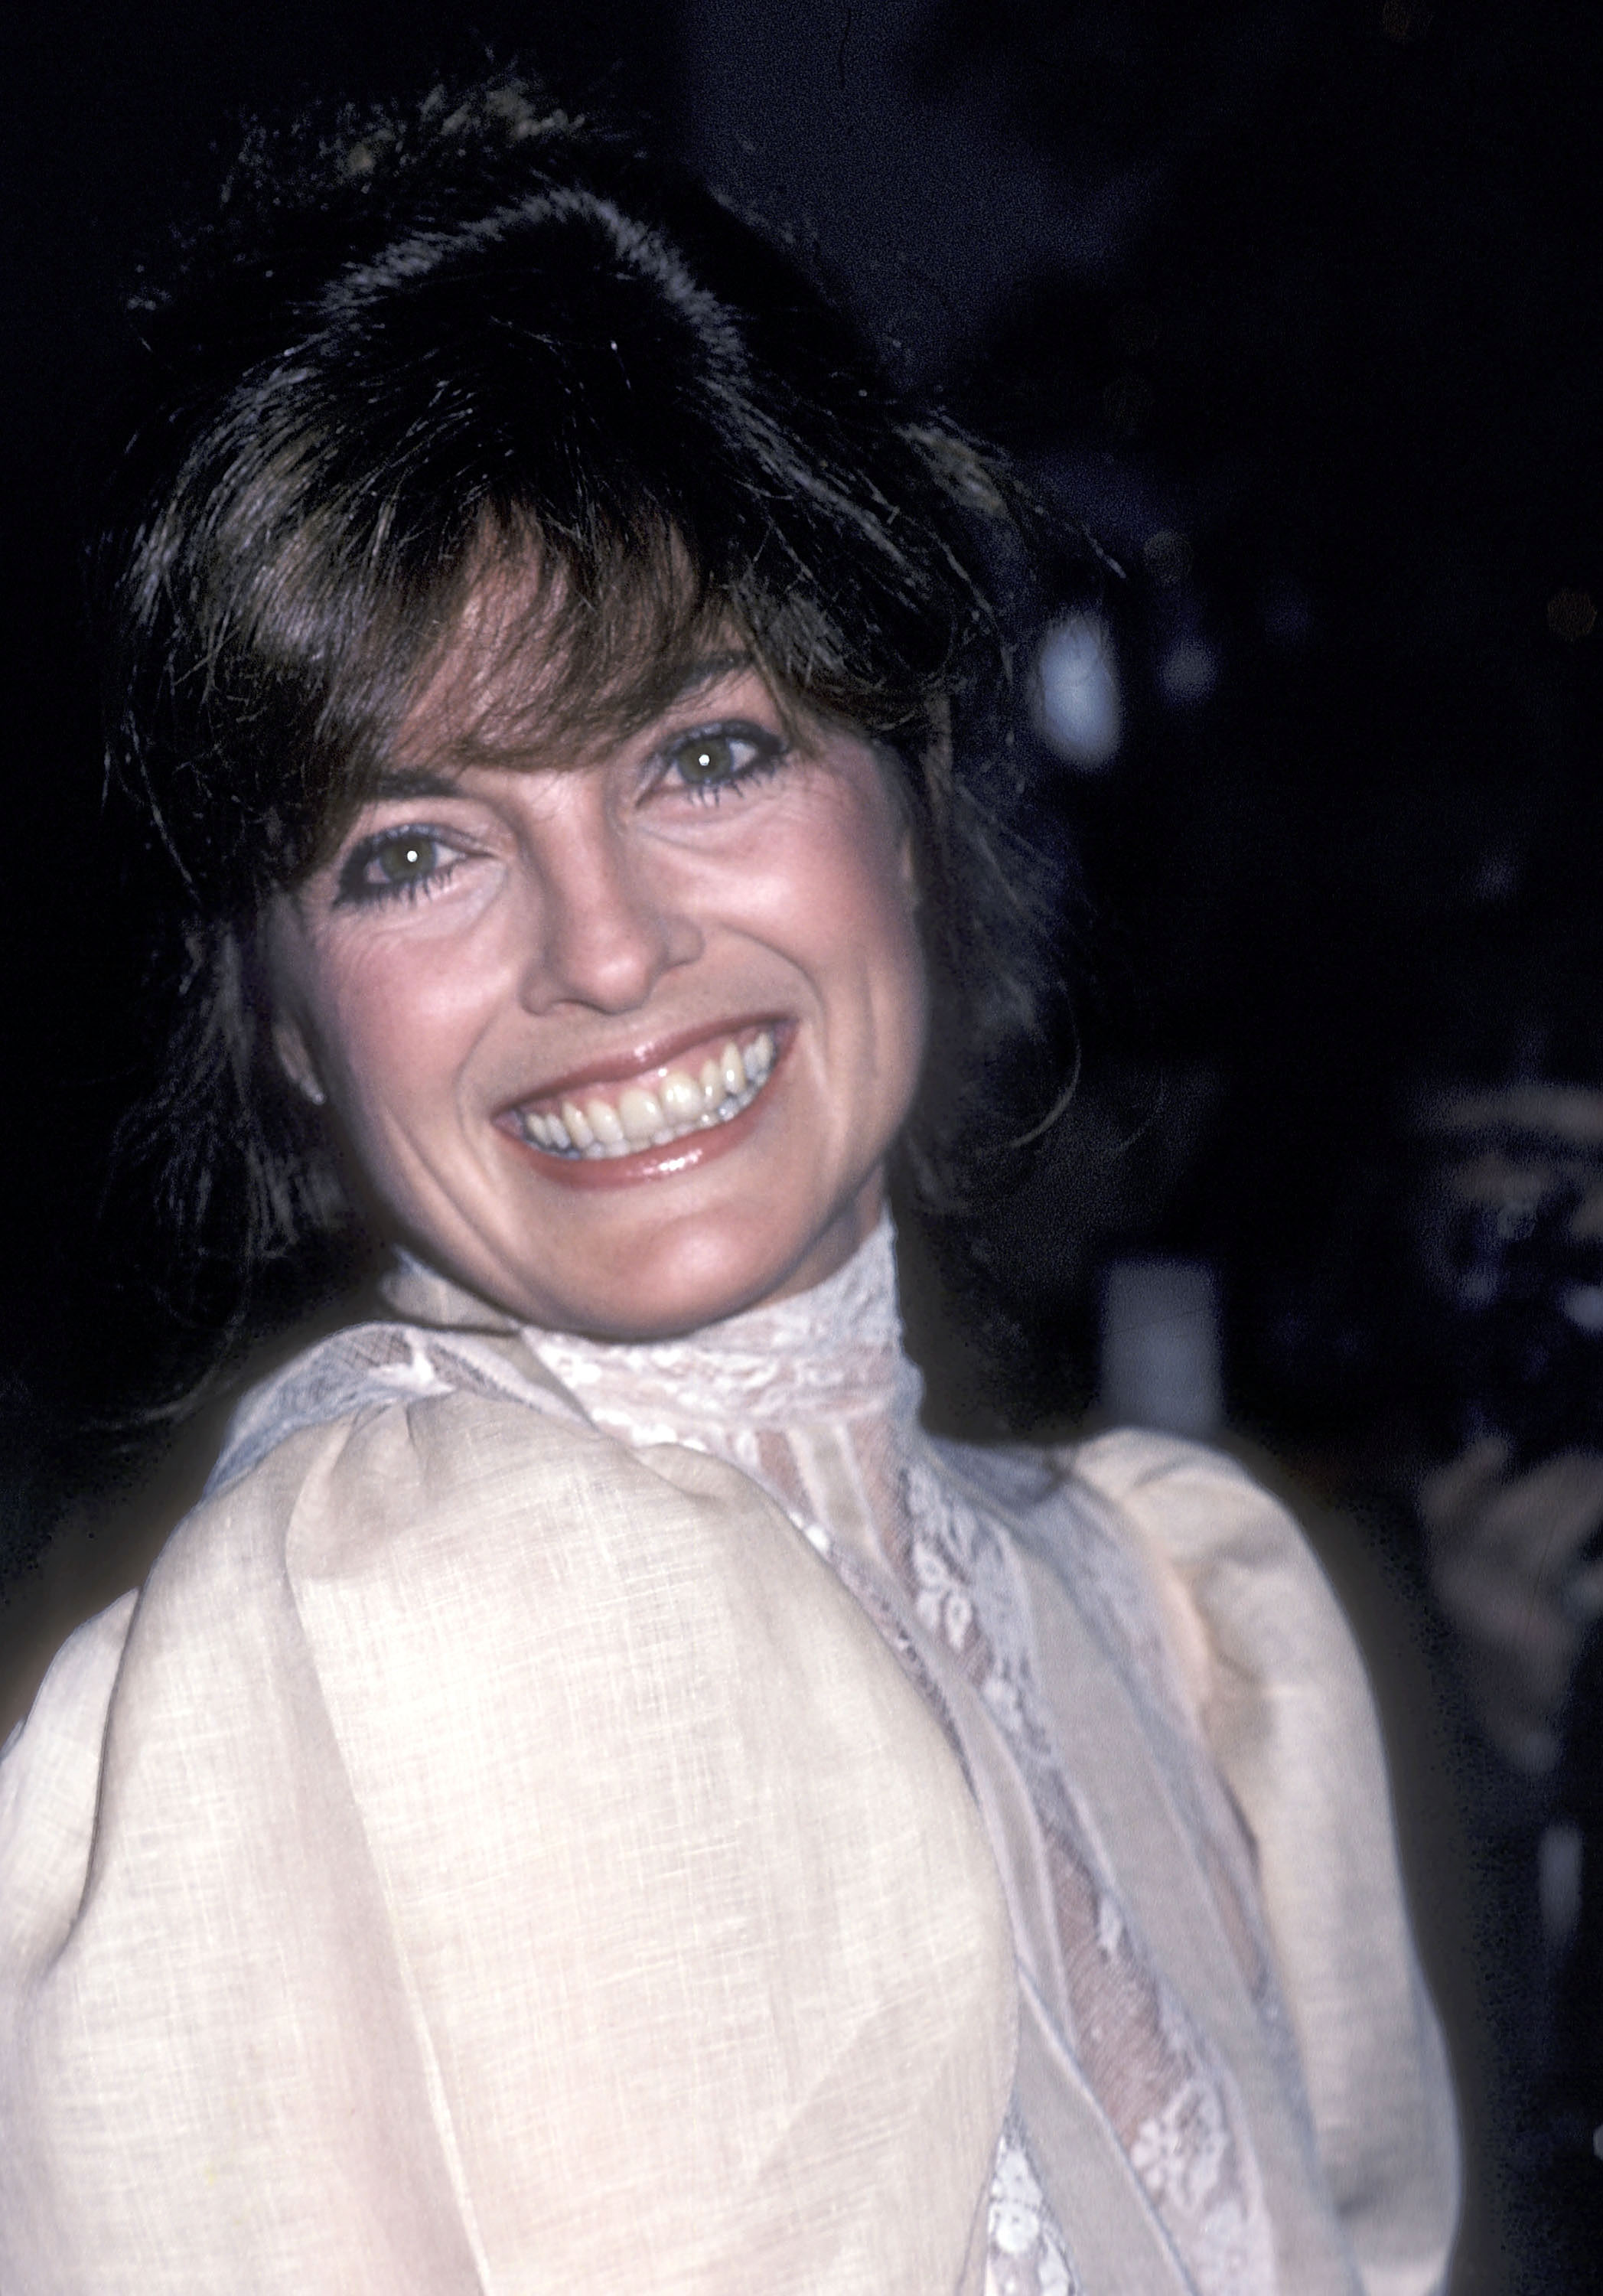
(708, 758)
(397, 864)
(723, 758)
(406, 859)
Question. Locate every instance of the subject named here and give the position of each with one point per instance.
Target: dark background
(1294, 300)
(1311, 287)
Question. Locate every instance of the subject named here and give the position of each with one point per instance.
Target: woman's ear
(295, 1058)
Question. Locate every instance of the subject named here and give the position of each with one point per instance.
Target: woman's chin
(676, 1277)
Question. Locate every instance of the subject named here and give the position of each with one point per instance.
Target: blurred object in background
(1105, 1182)
(1508, 1232)
(1514, 1561)
(1160, 1350)
(1079, 708)
(1507, 1220)
(1506, 1225)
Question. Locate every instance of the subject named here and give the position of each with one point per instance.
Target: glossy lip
(638, 1063)
(686, 1155)
(650, 1163)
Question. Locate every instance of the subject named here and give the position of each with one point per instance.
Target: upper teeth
(641, 1116)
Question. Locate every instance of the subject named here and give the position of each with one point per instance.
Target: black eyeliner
(772, 749)
(353, 891)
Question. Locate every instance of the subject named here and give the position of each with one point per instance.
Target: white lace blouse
(1068, 1954)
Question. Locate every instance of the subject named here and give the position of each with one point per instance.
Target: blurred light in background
(1572, 614)
(1188, 672)
(1404, 21)
(1288, 615)
(1168, 556)
(1079, 708)
(1127, 401)
(1160, 1346)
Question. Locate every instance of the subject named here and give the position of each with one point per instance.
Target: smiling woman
(626, 1039)
(595, 1797)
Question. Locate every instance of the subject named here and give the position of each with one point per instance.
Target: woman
(594, 1797)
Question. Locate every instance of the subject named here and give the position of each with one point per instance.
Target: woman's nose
(607, 922)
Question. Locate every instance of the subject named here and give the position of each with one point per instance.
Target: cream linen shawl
(492, 1855)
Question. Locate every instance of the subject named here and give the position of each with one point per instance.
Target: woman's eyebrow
(413, 781)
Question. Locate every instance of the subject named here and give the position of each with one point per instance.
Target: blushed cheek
(877, 908)
(398, 1082)
(891, 954)
(392, 1022)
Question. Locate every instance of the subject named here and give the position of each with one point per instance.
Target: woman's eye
(724, 758)
(404, 860)
(397, 862)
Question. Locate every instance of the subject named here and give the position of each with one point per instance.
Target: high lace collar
(830, 1354)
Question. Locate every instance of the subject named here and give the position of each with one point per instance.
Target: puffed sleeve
(486, 1859)
(1280, 1696)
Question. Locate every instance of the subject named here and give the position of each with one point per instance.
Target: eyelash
(770, 753)
(355, 890)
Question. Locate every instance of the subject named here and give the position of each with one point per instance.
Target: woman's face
(619, 1040)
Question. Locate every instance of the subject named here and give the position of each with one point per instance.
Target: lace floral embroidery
(1113, 1599)
(1025, 2253)
(1171, 2102)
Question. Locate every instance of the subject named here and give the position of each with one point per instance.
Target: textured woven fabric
(815, 1396)
(504, 1850)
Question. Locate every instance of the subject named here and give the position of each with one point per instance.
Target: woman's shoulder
(387, 1500)
(380, 1366)
(1139, 1520)
(1200, 1586)
(64, 1640)
(431, 1667)
(1257, 1629)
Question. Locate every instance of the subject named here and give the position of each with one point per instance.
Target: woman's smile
(689, 1090)
(621, 1042)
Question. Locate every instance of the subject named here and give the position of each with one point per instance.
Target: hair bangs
(473, 430)
(554, 649)
(541, 437)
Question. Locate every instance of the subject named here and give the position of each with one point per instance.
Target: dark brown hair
(422, 344)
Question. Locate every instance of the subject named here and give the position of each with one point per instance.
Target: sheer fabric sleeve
(1275, 1685)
